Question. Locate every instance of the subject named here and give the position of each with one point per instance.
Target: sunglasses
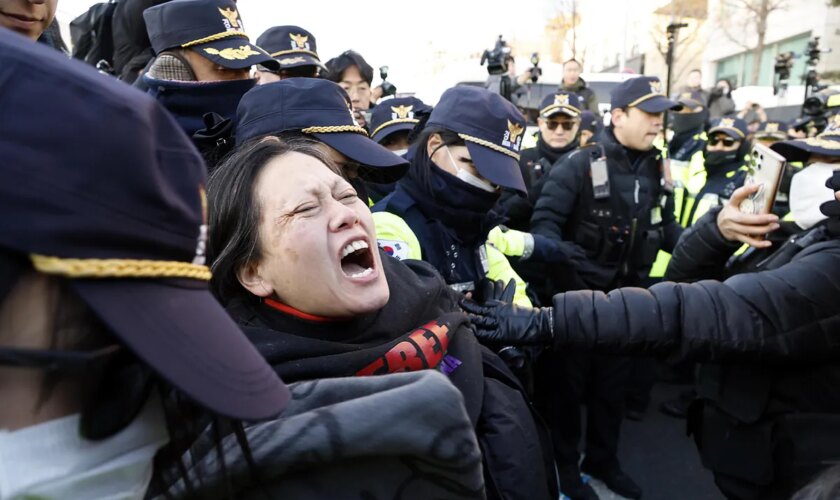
(567, 125)
(727, 141)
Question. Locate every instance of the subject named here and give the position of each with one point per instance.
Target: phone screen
(766, 168)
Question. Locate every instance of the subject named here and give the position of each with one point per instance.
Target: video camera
(535, 70)
(781, 69)
(388, 88)
(821, 106)
(813, 53)
(497, 59)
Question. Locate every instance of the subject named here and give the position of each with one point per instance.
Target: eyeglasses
(727, 141)
(566, 124)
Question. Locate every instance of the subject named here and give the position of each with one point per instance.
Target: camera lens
(812, 106)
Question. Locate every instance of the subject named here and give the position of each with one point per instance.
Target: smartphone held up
(766, 169)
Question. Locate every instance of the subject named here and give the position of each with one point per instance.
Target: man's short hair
(338, 65)
(573, 60)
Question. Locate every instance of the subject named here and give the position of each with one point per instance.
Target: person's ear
(250, 278)
(434, 142)
(618, 117)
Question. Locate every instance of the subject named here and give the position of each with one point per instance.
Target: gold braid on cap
(819, 142)
(724, 129)
(567, 107)
(213, 38)
(335, 129)
(118, 268)
(644, 98)
(294, 51)
(488, 144)
(394, 122)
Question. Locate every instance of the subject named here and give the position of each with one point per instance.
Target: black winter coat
(400, 337)
(787, 317)
(769, 413)
(622, 234)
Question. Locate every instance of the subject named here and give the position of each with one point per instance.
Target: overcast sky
(402, 35)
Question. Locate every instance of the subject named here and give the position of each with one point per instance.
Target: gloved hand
(488, 289)
(509, 324)
(511, 242)
(555, 252)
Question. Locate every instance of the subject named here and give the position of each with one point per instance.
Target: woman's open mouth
(357, 260)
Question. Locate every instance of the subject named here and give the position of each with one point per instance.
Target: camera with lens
(497, 59)
(388, 88)
(535, 70)
(821, 106)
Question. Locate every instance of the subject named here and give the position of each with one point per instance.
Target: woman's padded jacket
(787, 316)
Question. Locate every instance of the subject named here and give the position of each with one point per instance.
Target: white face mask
(400, 152)
(469, 178)
(51, 460)
(808, 192)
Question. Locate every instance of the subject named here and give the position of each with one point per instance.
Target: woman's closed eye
(348, 196)
(305, 209)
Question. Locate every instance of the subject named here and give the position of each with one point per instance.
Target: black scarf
(554, 154)
(188, 102)
(420, 327)
(452, 202)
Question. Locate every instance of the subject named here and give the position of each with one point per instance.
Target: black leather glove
(509, 324)
(488, 289)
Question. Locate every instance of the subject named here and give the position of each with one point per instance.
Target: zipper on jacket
(625, 268)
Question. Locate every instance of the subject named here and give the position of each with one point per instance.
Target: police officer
(294, 49)
(104, 302)
(202, 68)
(769, 415)
(724, 169)
(442, 210)
(392, 122)
(610, 199)
(553, 140)
(685, 155)
(391, 125)
(559, 125)
(590, 128)
(203, 59)
(318, 109)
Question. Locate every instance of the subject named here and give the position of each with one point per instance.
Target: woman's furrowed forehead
(295, 175)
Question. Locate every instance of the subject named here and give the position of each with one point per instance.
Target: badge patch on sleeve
(395, 248)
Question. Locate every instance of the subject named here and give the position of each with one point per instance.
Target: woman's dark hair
(338, 65)
(234, 211)
(421, 162)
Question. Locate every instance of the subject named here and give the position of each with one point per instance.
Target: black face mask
(832, 208)
(689, 122)
(719, 158)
